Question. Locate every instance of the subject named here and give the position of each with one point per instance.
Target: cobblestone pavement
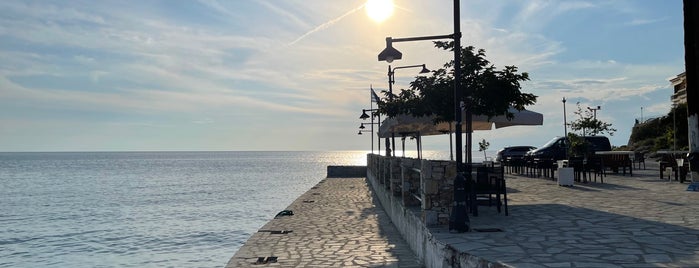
(627, 221)
(337, 223)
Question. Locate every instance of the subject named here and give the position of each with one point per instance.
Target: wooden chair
(490, 186)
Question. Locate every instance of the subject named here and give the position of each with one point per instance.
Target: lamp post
(565, 126)
(565, 121)
(391, 81)
(361, 130)
(594, 111)
(364, 116)
(458, 221)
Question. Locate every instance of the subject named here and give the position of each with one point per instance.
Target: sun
(379, 10)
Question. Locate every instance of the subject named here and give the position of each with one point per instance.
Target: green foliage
(589, 125)
(660, 133)
(491, 91)
(577, 145)
(483, 146)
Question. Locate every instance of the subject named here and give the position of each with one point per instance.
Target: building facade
(679, 84)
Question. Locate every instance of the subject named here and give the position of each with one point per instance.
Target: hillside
(657, 134)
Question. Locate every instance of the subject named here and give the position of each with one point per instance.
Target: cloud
(325, 25)
(640, 22)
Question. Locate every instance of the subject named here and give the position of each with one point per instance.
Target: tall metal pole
(565, 120)
(457, 89)
(565, 125)
(371, 110)
(459, 221)
(377, 133)
(390, 97)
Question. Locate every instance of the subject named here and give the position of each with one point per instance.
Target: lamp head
(424, 70)
(362, 126)
(359, 133)
(364, 116)
(389, 54)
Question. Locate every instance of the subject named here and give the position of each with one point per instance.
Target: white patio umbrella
(424, 126)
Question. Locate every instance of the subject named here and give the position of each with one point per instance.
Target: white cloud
(145, 61)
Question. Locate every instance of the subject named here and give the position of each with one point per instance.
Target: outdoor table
(617, 159)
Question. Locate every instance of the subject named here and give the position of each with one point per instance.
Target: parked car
(513, 152)
(556, 148)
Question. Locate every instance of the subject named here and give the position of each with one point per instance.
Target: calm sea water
(148, 209)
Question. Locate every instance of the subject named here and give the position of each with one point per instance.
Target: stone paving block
(344, 227)
(627, 221)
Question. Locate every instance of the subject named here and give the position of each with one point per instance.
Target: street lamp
(565, 121)
(391, 81)
(365, 116)
(594, 110)
(565, 125)
(458, 221)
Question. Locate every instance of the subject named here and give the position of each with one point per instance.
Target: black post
(565, 125)
(459, 222)
(392, 143)
(691, 52)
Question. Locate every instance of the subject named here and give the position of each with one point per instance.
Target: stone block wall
(430, 180)
(437, 191)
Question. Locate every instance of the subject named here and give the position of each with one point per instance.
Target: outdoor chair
(595, 165)
(667, 161)
(489, 187)
(640, 158)
(583, 168)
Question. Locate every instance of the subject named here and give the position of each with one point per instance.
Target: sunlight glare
(379, 10)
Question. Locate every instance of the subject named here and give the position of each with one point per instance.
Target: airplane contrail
(326, 25)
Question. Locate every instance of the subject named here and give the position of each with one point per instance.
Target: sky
(278, 75)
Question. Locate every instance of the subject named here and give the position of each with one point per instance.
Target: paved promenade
(638, 221)
(338, 223)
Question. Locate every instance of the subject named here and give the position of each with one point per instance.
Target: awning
(425, 126)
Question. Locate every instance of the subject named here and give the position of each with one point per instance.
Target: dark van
(556, 148)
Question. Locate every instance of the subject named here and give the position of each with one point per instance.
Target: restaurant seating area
(673, 164)
(427, 186)
(594, 168)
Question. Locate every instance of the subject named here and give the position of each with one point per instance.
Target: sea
(148, 209)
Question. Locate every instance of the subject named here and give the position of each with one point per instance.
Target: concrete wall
(346, 171)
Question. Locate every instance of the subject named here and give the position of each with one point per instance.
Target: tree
(590, 125)
(492, 92)
(482, 146)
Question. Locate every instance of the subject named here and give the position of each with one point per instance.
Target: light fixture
(424, 70)
(360, 133)
(364, 116)
(389, 54)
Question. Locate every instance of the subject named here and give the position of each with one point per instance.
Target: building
(679, 84)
